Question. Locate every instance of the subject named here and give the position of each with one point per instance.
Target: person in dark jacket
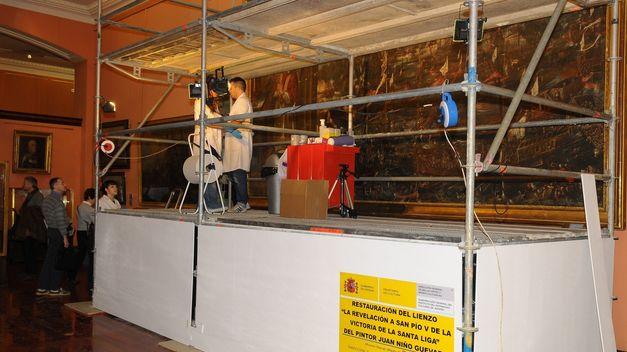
(30, 224)
(58, 223)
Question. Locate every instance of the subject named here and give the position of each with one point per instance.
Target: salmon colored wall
(26, 93)
(66, 144)
(72, 158)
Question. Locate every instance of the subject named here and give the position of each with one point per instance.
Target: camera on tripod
(345, 172)
(346, 201)
(216, 82)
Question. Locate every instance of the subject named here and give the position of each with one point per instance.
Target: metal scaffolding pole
(97, 104)
(148, 115)
(468, 242)
(486, 88)
(612, 126)
(456, 87)
(203, 116)
(410, 179)
(248, 45)
(270, 129)
(546, 123)
(133, 64)
(524, 82)
(351, 87)
(143, 79)
(131, 27)
(532, 171)
(149, 140)
(451, 130)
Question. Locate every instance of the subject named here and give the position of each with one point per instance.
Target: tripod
(346, 210)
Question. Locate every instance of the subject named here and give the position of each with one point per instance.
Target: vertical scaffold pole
(351, 87)
(468, 242)
(611, 186)
(203, 98)
(97, 103)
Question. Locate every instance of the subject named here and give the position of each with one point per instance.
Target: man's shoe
(41, 292)
(240, 208)
(59, 292)
(215, 211)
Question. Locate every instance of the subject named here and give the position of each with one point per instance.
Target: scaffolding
(280, 35)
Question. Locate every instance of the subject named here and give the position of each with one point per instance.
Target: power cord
(144, 156)
(485, 232)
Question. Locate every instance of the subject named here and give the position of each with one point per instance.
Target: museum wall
(33, 94)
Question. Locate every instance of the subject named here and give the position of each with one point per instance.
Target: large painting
(4, 208)
(572, 69)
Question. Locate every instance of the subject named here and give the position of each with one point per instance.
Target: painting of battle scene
(571, 70)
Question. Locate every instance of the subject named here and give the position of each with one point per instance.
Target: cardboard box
(304, 199)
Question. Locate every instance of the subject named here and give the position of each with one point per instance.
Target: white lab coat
(105, 203)
(213, 136)
(239, 152)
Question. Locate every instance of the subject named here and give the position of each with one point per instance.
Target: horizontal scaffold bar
(486, 88)
(304, 108)
(531, 171)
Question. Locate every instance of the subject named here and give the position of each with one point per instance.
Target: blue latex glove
(237, 134)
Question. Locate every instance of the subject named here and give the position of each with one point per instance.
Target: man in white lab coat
(238, 147)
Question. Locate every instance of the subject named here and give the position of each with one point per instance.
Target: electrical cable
(145, 156)
(485, 232)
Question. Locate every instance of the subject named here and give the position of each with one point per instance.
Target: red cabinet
(321, 162)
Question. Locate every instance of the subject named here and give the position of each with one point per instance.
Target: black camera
(216, 82)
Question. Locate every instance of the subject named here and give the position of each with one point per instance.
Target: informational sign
(386, 315)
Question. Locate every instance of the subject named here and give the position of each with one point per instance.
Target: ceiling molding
(33, 68)
(66, 9)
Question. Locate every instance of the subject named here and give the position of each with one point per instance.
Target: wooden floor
(30, 323)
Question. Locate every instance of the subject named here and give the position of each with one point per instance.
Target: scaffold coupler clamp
(470, 79)
(478, 164)
(468, 329)
(475, 246)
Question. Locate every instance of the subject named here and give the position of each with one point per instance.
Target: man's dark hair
(239, 81)
(106, 185)
(89, 193)
(53, 181)
(31, 180)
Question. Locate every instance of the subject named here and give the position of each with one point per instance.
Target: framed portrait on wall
(120, 179)
(32, 152)
(4, 207)
(123, 161)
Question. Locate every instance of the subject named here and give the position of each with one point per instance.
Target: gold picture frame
(28, 156)
(4, 199)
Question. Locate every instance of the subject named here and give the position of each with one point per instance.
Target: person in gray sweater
(58, 223)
